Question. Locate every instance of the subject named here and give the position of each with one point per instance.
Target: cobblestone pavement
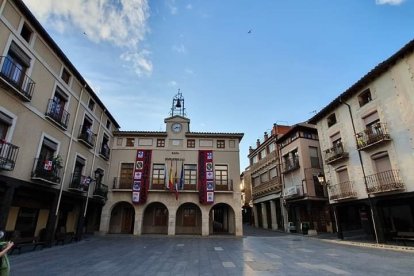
(259, 252)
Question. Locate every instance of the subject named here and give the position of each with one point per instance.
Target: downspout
(371, 206)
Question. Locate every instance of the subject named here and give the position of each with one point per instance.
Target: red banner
(205, 177)
(141, 177)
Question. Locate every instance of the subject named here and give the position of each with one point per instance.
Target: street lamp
(321, 179)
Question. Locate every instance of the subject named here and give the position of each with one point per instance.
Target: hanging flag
(167, 178)
(171, 179)
(182, 177)
(176, 184)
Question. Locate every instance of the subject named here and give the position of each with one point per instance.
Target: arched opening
(155, 219)
(122, 219)
(188, 220)
(222, 219)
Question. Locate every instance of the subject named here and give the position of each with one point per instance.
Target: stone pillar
(255, 216)
(51, 222)
(273, 214)
(264, 215)
(205, 222)
(105, 218)
(81, 221)
(171, 221)
(139, 216)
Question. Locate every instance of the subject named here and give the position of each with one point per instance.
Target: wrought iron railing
(87, 136)
(105, 151)
(290, 164)
(372, 135)
(270, 157)
(121, 183)
(56, 112)
(79, 182)
(8, 155)
(225, 185)
(47, 170)
(384, 182)
(341, 191)
(16, 77)
(335, 153)
(101, 190)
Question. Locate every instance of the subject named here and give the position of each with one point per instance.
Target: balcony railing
(387, 181)
(79, 183)
(269, 187)
(47, 171)
(16, 79)
(224, 185)
(271, 156)
(290, 164)
(8, 155)
(335, 153)
(124, 183)
(374, 135)
(104, 151)
(343, 190)
(57, 114)
(101, 191)
(86, 136)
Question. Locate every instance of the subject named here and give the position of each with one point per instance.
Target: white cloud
(121, 23)
(179, 49)
(389, 2)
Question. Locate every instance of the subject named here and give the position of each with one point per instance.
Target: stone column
(139, 216)
(255, 216)
(171, 221)
(105, 218)
(273, 214)
(264, 215)
(205, 222)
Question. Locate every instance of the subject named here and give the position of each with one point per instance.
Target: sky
(241, 65)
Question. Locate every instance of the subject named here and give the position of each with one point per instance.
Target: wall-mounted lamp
(321, 179)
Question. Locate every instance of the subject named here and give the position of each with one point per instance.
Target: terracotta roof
(296, 128)
(360, 84)
(141, 133)
(215, 134)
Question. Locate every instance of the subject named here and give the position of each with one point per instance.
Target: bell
(178, 105)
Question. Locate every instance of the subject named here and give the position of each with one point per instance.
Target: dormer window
(65, 76)
(364, 97)
(331, 120)
(26, 33)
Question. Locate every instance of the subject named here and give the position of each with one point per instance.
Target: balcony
(47, 171)
(122, 183)
(373, 136)
(101, 191)
(224, 185)
(336, 153)
(104, 151)
(264, 161)
(290, 164)
(13, 78)
(382, 182)
(86, 136)
(8, 155)
(57, 114)
(269, 187)
(79, 183)
(341, 191)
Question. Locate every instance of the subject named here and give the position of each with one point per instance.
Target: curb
(371, 245)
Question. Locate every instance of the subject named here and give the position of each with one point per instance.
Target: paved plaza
(259, 252)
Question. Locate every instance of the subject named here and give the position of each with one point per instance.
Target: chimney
(266, 136)
(250, 149)
(258, 143)
(274, 130)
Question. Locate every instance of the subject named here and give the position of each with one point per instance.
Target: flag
(166, 179)
(182, 177)
(171, 179)
(176, 185)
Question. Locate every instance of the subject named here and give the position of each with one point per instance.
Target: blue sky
(299, 55)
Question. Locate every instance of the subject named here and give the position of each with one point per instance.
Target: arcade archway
(122, 218)
(222, 219)
(188, 220)
(155, 219)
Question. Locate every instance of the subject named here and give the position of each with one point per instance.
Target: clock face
(176, 127)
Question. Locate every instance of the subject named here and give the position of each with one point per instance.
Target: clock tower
(177, 124)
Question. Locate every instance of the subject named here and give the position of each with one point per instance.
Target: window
(336, 139)
(160, 143)
(343, 176)
(91, 104)
(77, 172)
(264, 177)
(263, 154)
(108, 124)
(364, 97)
(190, 174)
(26, 33)
(221, 175)
(158, 174)
(105, 146)
(130, 142)
(382, 162)
(126, 174)
(331, 119)
(256, 181)
(220, 144)
(119, 141)
(255, 159)
(48, 166)
(273, 172)
(65, 76)
(314, 157)
(372, 122)
(56, 108)
(48, 149)
(5, 123)
(86, 131)
(272, 147)
(190, 143)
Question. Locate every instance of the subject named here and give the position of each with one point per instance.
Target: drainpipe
(371, 205)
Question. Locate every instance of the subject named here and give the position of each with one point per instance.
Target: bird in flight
(249, 32)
